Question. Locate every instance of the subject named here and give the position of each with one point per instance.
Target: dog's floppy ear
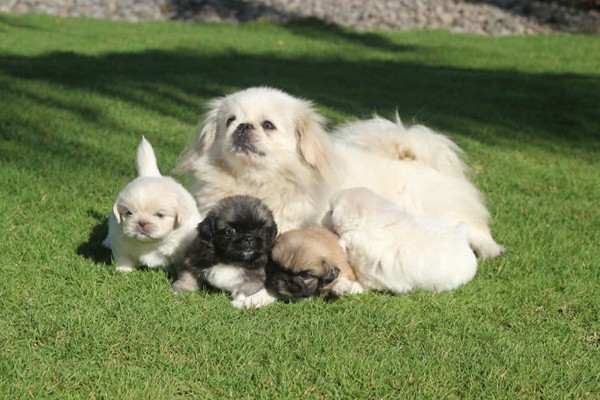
(331, 272)
(273, 232)
(203, 140)
(312, 140)
(183, 211)
(181, 216)
(206, 229)
(116, 213)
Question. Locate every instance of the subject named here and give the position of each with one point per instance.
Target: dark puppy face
(306, 283)
(241, 230)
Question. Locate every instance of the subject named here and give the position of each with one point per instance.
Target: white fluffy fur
(153, 218)
(257, 300)
(297, 167)
(392, 251)
(394, 141)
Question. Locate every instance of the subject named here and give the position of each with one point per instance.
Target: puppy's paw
(258, 299)
(484, 245)
(357, 288)
(185, 283)
(489, 250)
(124, 269)
(341, 287)
(342, 244)
(238, 301)
(345, 286)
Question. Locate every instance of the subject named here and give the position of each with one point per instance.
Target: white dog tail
(146, 160)
(394, 140)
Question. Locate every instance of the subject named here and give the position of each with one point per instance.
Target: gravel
(484, 17)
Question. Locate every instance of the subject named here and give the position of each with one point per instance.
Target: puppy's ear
(116, 213)
(331, 272)
(202, 141)
(206, 229)
(183, 213)
(336, 216)
(181, 216)
(312, 140)
(273, 232)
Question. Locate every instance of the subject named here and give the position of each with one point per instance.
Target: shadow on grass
(555, 110)
(93, 249)
(314, 28)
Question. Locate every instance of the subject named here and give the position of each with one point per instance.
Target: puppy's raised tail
(146, 160)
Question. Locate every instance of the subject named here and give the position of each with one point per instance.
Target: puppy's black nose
(142, 223)
(249, 240)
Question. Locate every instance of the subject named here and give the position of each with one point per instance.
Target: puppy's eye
(268, 126)
(127, 213)
(229, 232)
(230, 120)
(305, 275)
(159, 215)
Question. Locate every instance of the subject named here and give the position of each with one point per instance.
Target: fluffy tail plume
(394, 140)
(146, 160)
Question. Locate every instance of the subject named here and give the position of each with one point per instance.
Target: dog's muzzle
(241, 139)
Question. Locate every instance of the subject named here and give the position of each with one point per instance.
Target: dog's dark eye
(230, 120)
(305, 275)
(159, 215)
(128, 213)
(229, 232)
(268, 125)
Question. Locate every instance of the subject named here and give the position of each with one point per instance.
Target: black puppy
(231, 249)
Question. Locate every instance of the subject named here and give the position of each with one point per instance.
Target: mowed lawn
(77, 95)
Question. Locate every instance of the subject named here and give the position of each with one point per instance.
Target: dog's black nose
(243, 128)
(142, 223)
(249, 240)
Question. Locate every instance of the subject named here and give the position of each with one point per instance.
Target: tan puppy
(308, 262)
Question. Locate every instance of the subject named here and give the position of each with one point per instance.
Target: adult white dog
(266, 143)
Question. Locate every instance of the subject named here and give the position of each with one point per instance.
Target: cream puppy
(153, 219)
(265, 143)
(392, 251)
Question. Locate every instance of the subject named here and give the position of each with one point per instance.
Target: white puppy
(265, 143)
(392, 251)
(153, 219)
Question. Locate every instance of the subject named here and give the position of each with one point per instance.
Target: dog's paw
(124, 269)
(185, 283)
(258, 299)
(345, 286)
(357, 288)
(238, 301)
(489, 250)
(341, 287)
(484, 245)
(342, 244)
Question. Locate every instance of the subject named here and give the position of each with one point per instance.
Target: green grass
(75, 98)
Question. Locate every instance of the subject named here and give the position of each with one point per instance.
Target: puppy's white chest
(225, 276)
